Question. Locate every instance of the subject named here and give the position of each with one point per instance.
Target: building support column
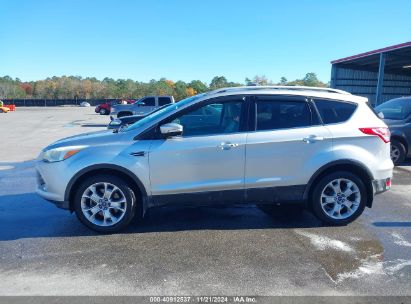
(333, 81)
(380, 80)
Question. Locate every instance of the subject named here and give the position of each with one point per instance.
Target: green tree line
(72, 87)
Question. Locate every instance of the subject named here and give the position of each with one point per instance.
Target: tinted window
(397, 109)
(213, 118)
(334, 111)
(163, 112)
(149, 101)
(163, 101)
(277, 114)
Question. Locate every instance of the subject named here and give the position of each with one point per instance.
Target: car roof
(327, 93)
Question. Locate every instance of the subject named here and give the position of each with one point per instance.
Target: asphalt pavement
(234, 250)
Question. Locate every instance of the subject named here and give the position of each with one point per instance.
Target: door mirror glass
(171, 129)
(381, 115)
(141, 103)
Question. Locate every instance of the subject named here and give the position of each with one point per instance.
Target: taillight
(381, 132)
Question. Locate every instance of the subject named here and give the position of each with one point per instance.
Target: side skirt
(270, 195)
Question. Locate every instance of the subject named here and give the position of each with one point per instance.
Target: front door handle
(227, 146)
(312, 139)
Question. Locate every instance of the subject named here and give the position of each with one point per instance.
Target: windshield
(396, 109)
(161, 112)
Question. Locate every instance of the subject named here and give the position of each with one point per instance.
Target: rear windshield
(396, 109)
(332, 111)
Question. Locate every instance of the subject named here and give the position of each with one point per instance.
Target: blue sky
(192, 39)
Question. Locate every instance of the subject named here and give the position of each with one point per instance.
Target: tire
(339, 201)
(398, 152)
(103, 112)
(102, 216)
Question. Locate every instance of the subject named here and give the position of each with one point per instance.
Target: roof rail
(288, 88)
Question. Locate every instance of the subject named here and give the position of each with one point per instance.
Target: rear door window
(275, 114)
(334, 111)
(163, 101)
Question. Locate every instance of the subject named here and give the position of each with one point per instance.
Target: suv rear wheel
(105, 203)
(339, 198)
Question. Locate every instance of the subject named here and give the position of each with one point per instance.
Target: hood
(393, 122)
(87, 139)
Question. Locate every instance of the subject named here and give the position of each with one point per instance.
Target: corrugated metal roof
(366, 54)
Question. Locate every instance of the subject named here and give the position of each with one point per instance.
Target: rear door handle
(227, 146)
(312, 139)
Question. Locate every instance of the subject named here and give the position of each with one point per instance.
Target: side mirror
(381, 115)
(171, 129)
(141, 103)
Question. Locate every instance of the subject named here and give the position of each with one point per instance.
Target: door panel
(286, 149)
(285, 157)
(208, 157)
(196, 164)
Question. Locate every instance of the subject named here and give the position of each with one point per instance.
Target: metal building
(379, 75)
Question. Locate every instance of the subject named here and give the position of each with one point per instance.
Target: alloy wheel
(103, 204)
(340, 198)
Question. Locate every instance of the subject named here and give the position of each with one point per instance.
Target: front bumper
(381, 185)
(45, 191)
(49, 197)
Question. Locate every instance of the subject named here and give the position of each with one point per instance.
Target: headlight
(59, 154)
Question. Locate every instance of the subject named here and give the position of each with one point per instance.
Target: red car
(104, 108)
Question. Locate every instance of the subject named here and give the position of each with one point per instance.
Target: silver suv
(322, 148)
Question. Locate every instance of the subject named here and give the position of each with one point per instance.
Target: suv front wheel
(105, 203)
(339, 198)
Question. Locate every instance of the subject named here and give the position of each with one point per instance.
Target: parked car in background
(104, 108)
(322, 148)
(143, 106)
(397, 115)
(85, 104)
(4, 109)
(125, 121)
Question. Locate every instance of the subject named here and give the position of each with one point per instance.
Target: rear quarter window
(335, 111)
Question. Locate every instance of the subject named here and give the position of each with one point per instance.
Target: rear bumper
(381, 185)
